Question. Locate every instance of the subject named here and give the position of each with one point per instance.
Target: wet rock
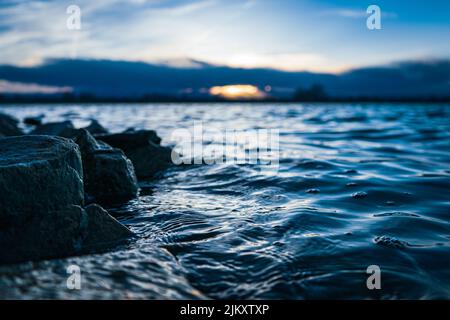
(8, 126)
(62, 129)
(44, 235)
(41, 198)
(391, 242)
(102, 229)
(150, 160)
(33, 121)
(143, 149)
(38, 174)
(88, 144)
(109, 177)
(131, 139)
(96, 128)
(359, 195)
(66, 232)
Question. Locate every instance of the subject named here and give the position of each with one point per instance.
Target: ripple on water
(357, 185)
(390, 242)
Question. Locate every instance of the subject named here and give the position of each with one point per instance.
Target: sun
(237, 91)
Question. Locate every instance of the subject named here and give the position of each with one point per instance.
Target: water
(357, 185)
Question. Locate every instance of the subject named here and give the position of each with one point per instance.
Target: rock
(130, 140)
(46, 234)
(96, 128)
(108, 175)
(88, 144)
(63, 129)
(9, 119)
(143, 149)
(41, 198)
(38, 174)
(8, 126)
(66, 232)
(33, 121)
(391, 242)
(359, 195)
(102, 229)
(150, 160)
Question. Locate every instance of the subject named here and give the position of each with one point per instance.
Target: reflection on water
(357, 185)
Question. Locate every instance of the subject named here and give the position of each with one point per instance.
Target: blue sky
(319, 35)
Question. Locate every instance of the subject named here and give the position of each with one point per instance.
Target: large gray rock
(63, 129)
(109, 177)
(8, 126)
(38, 174)
(143, 149)
(96, 128)
(41, 198)
(66, 232)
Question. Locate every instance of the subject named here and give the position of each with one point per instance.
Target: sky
(319, 36)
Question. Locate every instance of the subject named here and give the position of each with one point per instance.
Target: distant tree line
(315, 93)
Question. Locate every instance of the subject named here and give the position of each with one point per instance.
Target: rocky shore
(54, 180)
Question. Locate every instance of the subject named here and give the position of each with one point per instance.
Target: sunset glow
(238, 91)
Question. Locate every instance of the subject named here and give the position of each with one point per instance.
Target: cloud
(283, 61)
(242, 33)
(355, 13)
(27, 88)
(30, 32)
(190, 7)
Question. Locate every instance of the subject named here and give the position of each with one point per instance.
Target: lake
(355, 185)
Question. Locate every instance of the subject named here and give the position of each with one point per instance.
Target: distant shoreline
(173, 100)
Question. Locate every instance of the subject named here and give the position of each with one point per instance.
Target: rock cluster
(41, 201)
(47, 178)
